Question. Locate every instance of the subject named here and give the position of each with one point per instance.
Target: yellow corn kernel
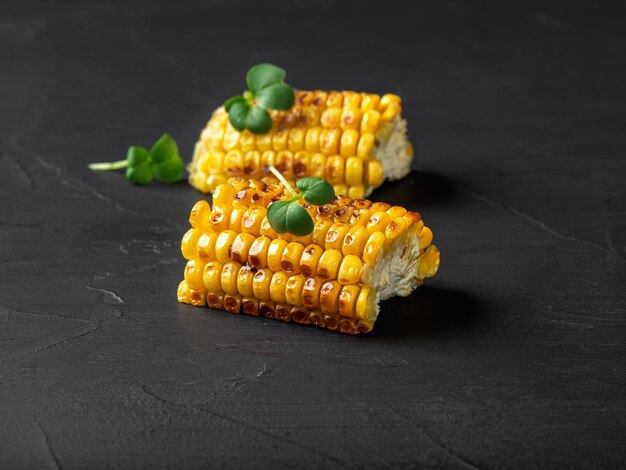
(334, 99)
(199, 180)
(261, 284)
(335, 169)
(215, 162)
(311, 116)
(428, 263)
(293, 289)
(320, 230)
(351, 118)
(331, 117)
(224, 245)
(243, 196)
(279, 140)
(347, 300)
(335, 235)
(267, 230)
(284, 162)
(296, 139)
(369, 101)
(275, 254)
(212, 276)
(277, 286)
(182, 293)
(365, 147)
(268, 157)
(223, 195)
(193, 274)
(343, 214)
(230, 270)
(329, 141)
(354, 171)
(351, 99)
(215, 299)
(236, 216)
(350, 270)
(247, 141)
(355, 240)
(232, 303)
(357, 191)
(234, 162)
(328, 265)
(264, 142)
(257, 255)
(231, 138)
(241, 247)
(396, 212)
(199, 215)
(412, 218)
(205, 248)
(190, 242)
(311, 292)
(373, 247)
(419, 227)
(395, 228)
(309, 259)
(312, 139)
(220, 217)
(290, 260)
(392, 111)
(252, 220)
(197, 298)
(317, 166)
(366, 304)
(409, 149)
(245, 277)
(329, 297)
(426, 238)
(252, 163)
(213, 181)
(387, 99)
(380, 206)
(370, 121)
(348, 143)
(375, 176)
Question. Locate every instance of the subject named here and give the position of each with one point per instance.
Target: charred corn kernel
(309, 259)
(250, 306)
(328, 265)
(224, 245)
(252, 163)
(301, 164)
(275, 254)
(370, 121)
(236, 216)
(343, 214)
(241, 247)
(428, 263)
(365, 147)
(257, 255)
(183, 292)
(233, 163)
(348, 143)
(311, 292)
(267, 308)
(351, 118)
(320, 230)
(375, 174)
(261, 284)
(356, 192)
(232, 303)
(426, 238)
(347, 300)
(293, 289)
(334, 169)
(193, 274)
(300, 315)
(412, 218)
(348, 326)
(197, 298)
(335, 235)
(354, 171)
(212, 276)
(329, 141)
(366, 304)
(282, 312)
(242, 197)
(331, 117)
(329, 297)
(317, 166)
(244, 281)
(268, 158)
(373, 247)
(205, 248)
(369, 101)
(350, 270)
(189, 244)
(284, 161)
(215, 299)
(252, 220)
(354, 241)
(312, 139)
(278, 285)
(223, 195)
(395, 228)
(199, 216)
(296, 139)
(391, 112)
(360, 217)
(396, 211)
(334, 99)
(229, 277)
(290, 260)
(311, 115)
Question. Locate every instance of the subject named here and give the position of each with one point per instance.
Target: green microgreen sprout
(162, 162)
(266, 90)
(289, 216)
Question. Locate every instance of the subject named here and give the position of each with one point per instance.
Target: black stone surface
(512, 357)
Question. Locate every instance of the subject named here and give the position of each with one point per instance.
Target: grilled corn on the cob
(353, 140)
(358, 254)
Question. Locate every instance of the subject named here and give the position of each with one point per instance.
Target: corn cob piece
(358, 254)
(353, 140)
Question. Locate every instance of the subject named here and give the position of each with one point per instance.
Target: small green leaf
(170, 170)
(258, 120)
(316, 191)
(164, 149)
(278, 96)
(277, 215)
(263, 75)
(232, 100)
(137, 156)
(238, 114)
(289, 216)
(139, 174)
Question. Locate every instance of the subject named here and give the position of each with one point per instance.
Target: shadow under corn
(419, 188)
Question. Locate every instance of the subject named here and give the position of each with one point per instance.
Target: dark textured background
(512, 357)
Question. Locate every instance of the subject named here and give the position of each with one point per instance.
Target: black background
(512, 357)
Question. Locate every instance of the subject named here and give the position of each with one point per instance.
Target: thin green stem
(105, 166)
(282, 179)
